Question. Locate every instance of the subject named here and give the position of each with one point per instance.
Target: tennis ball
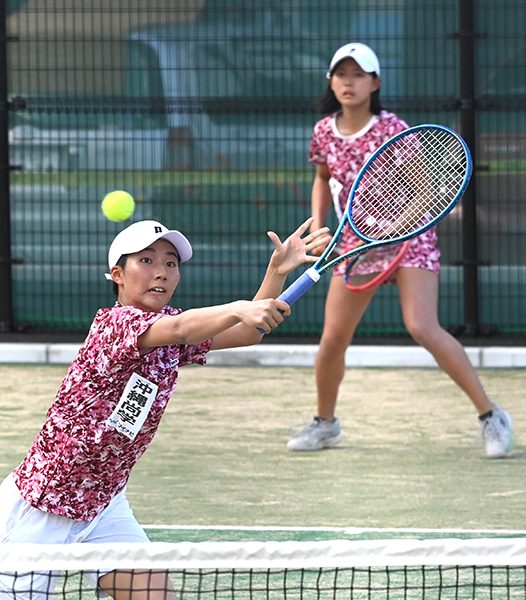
(118, 205)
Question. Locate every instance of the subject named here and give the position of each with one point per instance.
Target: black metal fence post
(470, 257)
(6, 306)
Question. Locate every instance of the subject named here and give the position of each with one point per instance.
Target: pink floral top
(344, 156)
(105, 414)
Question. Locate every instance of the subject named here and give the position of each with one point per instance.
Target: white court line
(346, 530)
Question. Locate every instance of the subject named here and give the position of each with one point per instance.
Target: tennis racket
(406, 187)
(355, 277)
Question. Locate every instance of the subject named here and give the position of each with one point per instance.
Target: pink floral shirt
(105, 414)
(344, 156)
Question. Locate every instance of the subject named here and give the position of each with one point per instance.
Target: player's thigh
(344, 309)
(418, 290)
(138, 585)
(115, 524)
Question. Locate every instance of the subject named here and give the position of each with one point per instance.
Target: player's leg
(117, 524)
(137, 585)
(419, 302)
(343, 311)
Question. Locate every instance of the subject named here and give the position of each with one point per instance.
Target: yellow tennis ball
(118, 205)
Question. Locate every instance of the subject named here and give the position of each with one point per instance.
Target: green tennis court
(213, 533)
(410, 457)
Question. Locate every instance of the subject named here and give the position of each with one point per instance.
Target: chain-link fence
(203, 110)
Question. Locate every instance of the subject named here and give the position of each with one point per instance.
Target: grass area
(409, 458)
(111, 179)
(504, 166)
(316, 534)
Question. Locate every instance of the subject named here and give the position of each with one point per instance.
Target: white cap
(142, 234)
(362, 54)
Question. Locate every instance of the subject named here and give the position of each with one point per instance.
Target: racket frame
(312, 275)
(347, 216)
(380, 277)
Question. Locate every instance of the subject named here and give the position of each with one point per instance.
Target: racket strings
(409, 184)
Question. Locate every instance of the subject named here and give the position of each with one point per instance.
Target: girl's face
(352, 86)
(149, 277)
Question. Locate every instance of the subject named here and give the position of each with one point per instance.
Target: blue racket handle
(298, 288)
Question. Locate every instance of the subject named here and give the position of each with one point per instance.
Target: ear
(116, 274)
(377, 81)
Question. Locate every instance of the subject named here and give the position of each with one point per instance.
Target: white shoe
(319, 434)
(497, 433)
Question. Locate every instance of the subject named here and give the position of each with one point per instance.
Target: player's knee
(333, 344)
(418, 330)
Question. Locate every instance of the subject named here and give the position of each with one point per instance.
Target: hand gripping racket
(406, 187)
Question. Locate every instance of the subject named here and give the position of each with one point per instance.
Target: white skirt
(22, 523)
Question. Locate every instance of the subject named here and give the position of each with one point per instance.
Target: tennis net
(444, 569)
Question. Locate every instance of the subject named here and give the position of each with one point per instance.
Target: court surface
(197, 534)
(410, 459)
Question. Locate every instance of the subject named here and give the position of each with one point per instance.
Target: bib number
(133, 407)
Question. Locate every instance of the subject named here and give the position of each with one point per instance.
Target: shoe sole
(334, 441)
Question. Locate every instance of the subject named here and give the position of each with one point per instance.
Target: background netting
(204, 109)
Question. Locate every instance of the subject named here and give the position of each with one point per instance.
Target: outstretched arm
(199, 324)
(237, 323)
(295, 251)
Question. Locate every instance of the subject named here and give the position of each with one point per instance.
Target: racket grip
(298, 288)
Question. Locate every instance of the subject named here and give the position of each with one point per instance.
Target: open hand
(297, 250)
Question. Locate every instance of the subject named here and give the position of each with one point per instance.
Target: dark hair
(120, 263)
(327, 104)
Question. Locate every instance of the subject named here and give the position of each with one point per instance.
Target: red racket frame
(381, 277)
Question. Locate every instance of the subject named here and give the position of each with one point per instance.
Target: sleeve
(118, 333)
(317, 151)
(195, 355)
(395, 125)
